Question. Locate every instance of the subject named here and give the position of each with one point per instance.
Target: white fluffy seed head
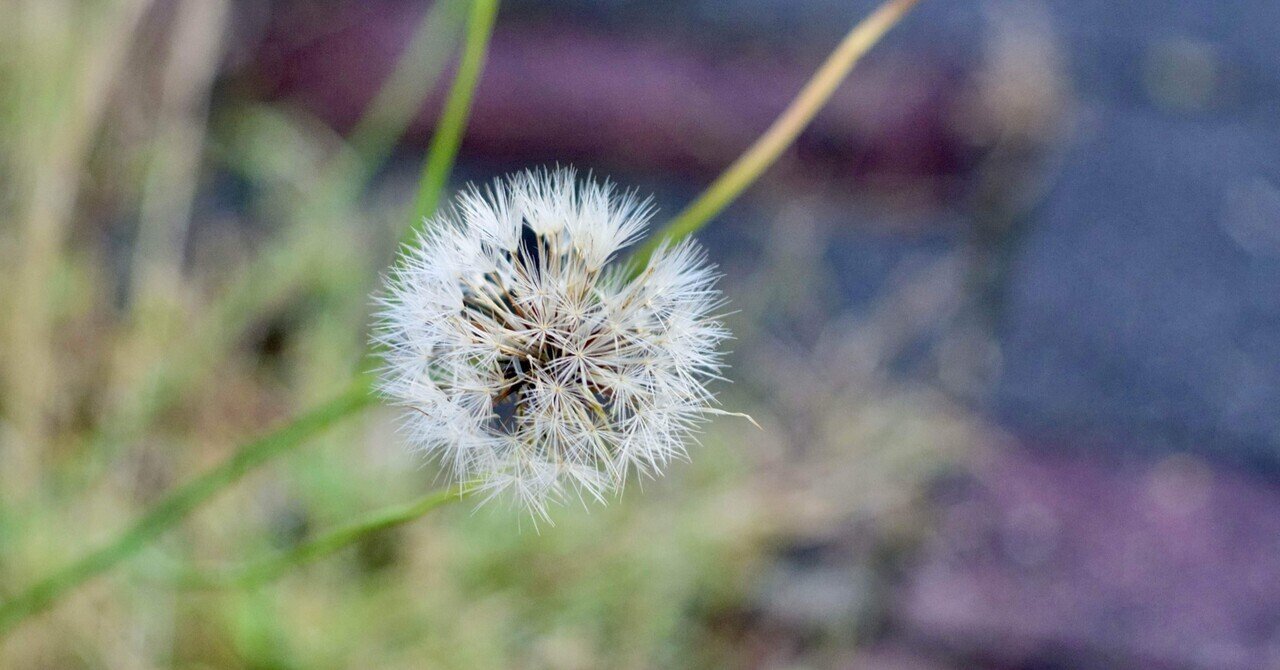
(526, 356)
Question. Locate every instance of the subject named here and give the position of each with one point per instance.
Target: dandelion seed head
(529, 360)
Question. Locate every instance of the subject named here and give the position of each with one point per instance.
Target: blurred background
(1008, 315)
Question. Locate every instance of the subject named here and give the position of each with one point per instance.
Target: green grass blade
(453, 121)
(766, 150)
(266, 569)
(177, 505)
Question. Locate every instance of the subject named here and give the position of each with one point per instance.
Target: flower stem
(177, 505)
(453, 121)
(262, 570)
(765, 151)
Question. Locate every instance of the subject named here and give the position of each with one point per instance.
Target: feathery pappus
(529, 356)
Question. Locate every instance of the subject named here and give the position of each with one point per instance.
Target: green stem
(266, 569)
(278, 272)
(765, 151)
(177, 505)
(401, 95)
(453, 120)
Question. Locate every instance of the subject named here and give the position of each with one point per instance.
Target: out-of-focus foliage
(189, 260)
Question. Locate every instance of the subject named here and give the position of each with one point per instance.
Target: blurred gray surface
(1145, 296)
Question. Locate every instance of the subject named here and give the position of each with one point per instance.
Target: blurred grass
(157, 261)
(625, 586)
(122, 383)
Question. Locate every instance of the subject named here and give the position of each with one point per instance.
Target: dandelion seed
(528, 358)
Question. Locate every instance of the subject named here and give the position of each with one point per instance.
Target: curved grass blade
(765, 151)
(177, 505)
(266, 569)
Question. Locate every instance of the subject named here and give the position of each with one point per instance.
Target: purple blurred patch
(570, 93)
(1043, 559)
